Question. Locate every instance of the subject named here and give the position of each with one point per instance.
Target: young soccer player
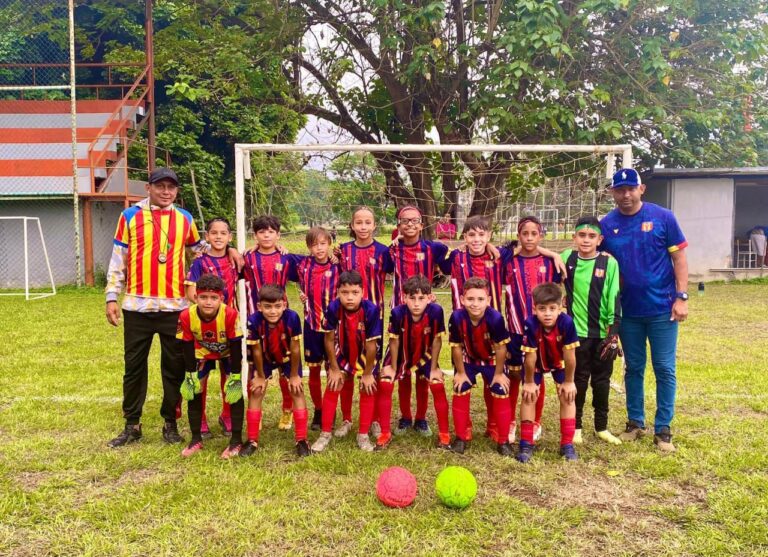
(478, 346)
(274, 334)
(592, 300)
(522, 273)
(209, 331)
(413, 255)
(267, 265)
(353, 329)
(318, 280)
(215, 262)
(416, 329)
(549, 344)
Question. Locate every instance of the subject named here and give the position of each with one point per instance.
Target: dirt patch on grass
(31, 481)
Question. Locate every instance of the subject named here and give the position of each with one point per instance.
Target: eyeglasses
(409, 221)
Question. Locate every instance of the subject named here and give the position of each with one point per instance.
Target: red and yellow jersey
(212, 337)
(155, 240)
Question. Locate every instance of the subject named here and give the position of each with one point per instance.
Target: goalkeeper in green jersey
(592, 300)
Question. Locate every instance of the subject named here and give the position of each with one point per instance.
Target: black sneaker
(505, 449)
(171, 433)
(302, 448)
(130, 434)
(459, 446)
(317, 420)
(525, 454)
(249, 448)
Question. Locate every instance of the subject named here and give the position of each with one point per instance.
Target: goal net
(26, 269)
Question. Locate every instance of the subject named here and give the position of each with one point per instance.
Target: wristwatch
(682, 296)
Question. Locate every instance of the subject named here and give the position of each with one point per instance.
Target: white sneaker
(364, 442)
(321, 443)
(536, 432)
(375, 430)
(578, 439)
(512, 432)
(344, 429)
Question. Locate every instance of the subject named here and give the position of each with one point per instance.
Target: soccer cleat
(459, 446)
(403, 426)
(286, 420)
(525, 454)
(383, 440)
(317, 420)
(512, 432)
(568, 452)
(302, 449)
(205, 431)
(422, 428)
(375, 429)
(322, 442)
(226, 425)
(608, 437)
(444, 441)
(364, 442)
(578, 439)
(505, 449)
(231, 451)
(249, 448)
(344, 429)
(633, 431)
(663, 440)
(171, 433)
(192, 448)
(130, 434)
(537, 430)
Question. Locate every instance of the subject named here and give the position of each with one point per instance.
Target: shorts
(285, 370)
(557, 374)
(314, 346)
(424, 371)
(487, 372)
(205, 367)
(514, 359)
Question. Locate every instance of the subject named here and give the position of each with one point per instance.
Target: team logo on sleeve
(646, 226)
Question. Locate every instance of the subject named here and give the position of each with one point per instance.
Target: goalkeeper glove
(610, 348)
(233, 389)
(191, 386)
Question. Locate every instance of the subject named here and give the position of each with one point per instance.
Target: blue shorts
(285, 370)
(514, 360)
(314, 346)
(424, 371)
(487, 372)
(204, 367)
(557, 374)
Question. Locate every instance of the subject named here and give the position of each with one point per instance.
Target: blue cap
(625, 177)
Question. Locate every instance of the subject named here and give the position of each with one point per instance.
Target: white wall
(704, 207)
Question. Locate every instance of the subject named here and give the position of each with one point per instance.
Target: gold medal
(162, 258)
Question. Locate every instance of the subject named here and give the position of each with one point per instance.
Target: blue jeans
(662, 336)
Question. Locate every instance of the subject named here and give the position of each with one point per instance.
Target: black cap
(163, 173)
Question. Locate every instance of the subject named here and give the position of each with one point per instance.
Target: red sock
(461, 415)
(253, 420)
(376, 406)
(300, 423)
(315, 386)
(287, 400)
(367, 405)
(540, 402)
(204, 385)
(526, 432)
(503, 414)
(404, 395)
(225, 413)
(347, 394)
(514, 395)
(422, 397)
(178, 409)
(441, 407)
(490, 423)
(384, 403)
(330, 401)
(567, 427)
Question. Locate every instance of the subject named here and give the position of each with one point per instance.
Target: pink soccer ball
(396, 487)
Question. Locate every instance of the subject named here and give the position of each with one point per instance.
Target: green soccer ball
(456, 487)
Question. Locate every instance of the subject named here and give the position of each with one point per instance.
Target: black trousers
(590, 368)
(138, 331)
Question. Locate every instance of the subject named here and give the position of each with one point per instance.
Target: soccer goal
(17, 276)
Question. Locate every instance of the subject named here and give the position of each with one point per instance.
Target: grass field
(63, 492)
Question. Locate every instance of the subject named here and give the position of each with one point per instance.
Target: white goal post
(26, 293)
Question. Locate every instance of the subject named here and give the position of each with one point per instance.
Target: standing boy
(549, 344)
(592, 300)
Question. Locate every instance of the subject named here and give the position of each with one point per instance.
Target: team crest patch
(646, 226)
(361, 326)
(615, 230)
(599, 273)
(559, 338)
(427, 330)
(328, 274)
(278, 266)
(420, 256)
(489, 264)
(372, 261)
(543, 269)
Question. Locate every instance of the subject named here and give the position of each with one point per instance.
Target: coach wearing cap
(147, 264)
(649, 246)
